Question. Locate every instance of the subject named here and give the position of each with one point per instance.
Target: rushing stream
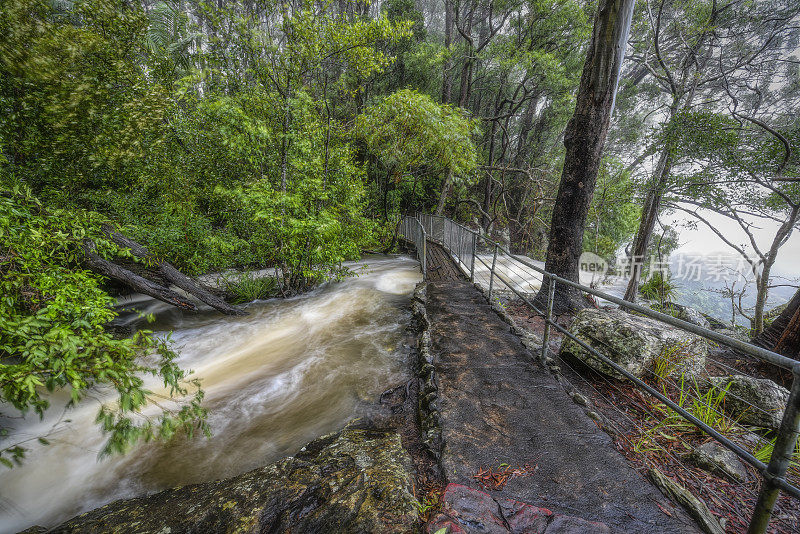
(275, 379)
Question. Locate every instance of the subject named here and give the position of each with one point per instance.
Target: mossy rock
(356, 480)
(634, 343)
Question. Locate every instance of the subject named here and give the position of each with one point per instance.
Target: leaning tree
(584, 138)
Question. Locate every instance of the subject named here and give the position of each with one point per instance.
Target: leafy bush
(248, 287)
(764, 454)
(53, 316)
(659, 288)
(671, 358)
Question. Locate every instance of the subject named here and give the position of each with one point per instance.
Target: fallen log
(162, 270)
(133, 280)
(173, 275)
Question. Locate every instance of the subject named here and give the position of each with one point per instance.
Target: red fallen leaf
(664, 510)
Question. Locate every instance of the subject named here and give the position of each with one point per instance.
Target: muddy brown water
(275, 379)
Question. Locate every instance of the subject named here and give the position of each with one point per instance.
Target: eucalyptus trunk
(780, 238)
(447, 75)
(448, 181)
(584, 138)
(647, 222)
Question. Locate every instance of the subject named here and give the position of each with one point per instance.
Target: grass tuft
(248, 287)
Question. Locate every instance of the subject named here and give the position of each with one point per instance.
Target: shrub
(53, 318)
(248, 287)
(660, 288)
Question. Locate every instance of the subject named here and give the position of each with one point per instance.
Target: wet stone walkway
(501, 411)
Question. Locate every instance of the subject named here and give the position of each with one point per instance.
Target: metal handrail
(452, 236)
(410, 229)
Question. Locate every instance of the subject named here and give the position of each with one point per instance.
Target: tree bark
(447, 75)
(448, 180)
(783, 335)
(133, 280)
(780, 238)
(647, 222)
(584, 138)
(166, 270)
(789, 342)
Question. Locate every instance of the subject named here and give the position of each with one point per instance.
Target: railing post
(551, 291)
(472, 263)
(780, 460)
(491, 271)
(424, 255)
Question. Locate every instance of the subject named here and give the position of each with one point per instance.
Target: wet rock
(696, 508)
(735, 334)
(356, 480)
(634, 343)
(468, 510)
(690, 315)
(718, 460)
(753, 401)
(579, 399)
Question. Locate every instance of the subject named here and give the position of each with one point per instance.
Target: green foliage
(416, 140)
(408, 130)
(82, 108)
(206, 177)
(613, 214)
(670, 359)
(53, 315)
(669, 425)
(659, 287)
(248, 287)
(764, 454)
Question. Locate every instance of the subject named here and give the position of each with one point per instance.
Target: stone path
(499, 409)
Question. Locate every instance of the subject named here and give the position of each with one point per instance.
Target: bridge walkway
(501, 410)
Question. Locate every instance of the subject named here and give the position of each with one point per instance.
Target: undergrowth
(248, 287)
(660, 288)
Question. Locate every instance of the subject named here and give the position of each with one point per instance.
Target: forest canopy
(292, 135)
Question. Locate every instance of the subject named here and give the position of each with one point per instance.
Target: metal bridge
(485, 261)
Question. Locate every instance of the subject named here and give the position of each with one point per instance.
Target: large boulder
(356, 480)
(718, 460)
(753, 401)
(634, 343)
(690, 315)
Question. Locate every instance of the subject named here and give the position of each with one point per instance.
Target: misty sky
(703, 241)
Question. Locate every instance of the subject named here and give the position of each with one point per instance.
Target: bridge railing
(492, 265)
(410, 229)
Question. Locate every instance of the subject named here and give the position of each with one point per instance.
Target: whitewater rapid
(290, 371)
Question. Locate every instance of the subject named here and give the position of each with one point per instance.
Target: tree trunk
(783, 335)
(584, 138)
(165, 270)
(448, 180)
(489, 184)
(173, 275)
(134, 281)
(780, 238)
(647, 223)
(789, 342)
(466, 69)
(447, 75)
(526, 125)
(285, 142)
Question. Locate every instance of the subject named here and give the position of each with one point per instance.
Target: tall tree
(584, 138)
(692, 46)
